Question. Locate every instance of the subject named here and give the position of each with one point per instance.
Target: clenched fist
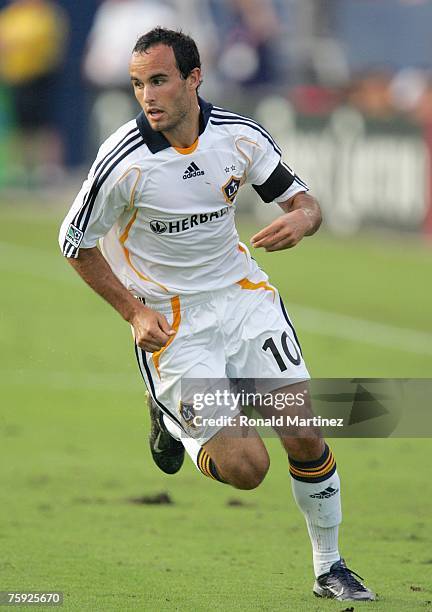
(151, 329)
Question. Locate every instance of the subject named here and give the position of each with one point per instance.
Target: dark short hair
(184, 47)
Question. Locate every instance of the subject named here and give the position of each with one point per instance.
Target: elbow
(317, 213)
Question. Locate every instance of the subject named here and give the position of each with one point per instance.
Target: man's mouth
(155, 114)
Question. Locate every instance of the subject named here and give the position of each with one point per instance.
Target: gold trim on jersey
(176, 314)
(240, 150)
(127, 255)
(132, 194)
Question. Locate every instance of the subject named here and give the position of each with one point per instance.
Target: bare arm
(302, 218)
(152, 330)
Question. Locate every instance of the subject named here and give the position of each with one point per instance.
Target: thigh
(266, 345)
(187, 365)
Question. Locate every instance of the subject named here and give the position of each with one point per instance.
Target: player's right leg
(240, 455)
(234, 455)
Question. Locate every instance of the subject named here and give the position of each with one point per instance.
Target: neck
(186, 132)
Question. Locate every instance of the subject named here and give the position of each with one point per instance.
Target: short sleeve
(265, 155)
(272, 179)
(104, 196)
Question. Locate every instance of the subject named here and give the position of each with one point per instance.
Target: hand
(151, 329)
(283, 233)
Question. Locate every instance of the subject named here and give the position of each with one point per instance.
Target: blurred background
(344, 86)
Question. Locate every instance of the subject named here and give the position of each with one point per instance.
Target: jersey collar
(156, 141)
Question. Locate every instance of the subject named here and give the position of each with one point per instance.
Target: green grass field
(73, 442)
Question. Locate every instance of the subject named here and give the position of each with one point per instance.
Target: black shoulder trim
(156, 141)
(206, 109)
(278, 182)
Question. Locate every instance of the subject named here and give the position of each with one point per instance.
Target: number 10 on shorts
(287, 344)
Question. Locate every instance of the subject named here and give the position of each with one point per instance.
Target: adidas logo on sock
(192, 171)
(329, 492)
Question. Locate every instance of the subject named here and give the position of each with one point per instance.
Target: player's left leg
(270, 350)
(316, 489)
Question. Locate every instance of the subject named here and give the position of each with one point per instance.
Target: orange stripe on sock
(313, 475)
(315, 469)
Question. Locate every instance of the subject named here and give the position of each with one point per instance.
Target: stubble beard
(178, 120)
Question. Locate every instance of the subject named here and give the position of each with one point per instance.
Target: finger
(272, 228)
(165, 326)
(153, 336)
(276, 234)
(149, 347)
(275, 238)
(282, 244)
(157, 336)
(264, 233)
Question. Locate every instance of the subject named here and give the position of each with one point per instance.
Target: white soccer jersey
(165, 216)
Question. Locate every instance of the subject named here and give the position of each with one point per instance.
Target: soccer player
(161, 198)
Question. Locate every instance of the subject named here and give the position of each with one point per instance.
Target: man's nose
(148, 94)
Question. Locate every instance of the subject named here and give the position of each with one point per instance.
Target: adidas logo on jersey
(192, 171)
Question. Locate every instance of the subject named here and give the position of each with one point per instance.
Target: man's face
(165, 97)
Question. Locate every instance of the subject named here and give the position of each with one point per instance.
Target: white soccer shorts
(242, 331)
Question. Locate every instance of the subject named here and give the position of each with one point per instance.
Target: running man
(161, 198)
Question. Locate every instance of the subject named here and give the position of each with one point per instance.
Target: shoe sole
(324, 594)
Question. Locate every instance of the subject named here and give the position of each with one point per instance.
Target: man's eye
(157, 82)
(138, 85)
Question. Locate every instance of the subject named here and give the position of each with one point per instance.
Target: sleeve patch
(74, 235)
(277, 183)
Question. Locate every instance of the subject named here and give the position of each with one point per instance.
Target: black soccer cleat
(167, 453)
(340, 583)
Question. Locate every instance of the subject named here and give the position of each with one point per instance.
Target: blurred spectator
(116, 27)
(248, 31)
(422, 111)
(370, 94)
(195, 18)
(32, 39)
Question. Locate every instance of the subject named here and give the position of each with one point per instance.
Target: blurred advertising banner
(364, 172)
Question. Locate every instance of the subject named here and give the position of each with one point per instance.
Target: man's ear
(194, 78)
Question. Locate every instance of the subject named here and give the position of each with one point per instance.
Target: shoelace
(349, 577)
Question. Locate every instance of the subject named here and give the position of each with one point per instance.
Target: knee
(249, 471)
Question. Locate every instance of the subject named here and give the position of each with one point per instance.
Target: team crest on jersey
(158, 227)
(187, 413)
(74, 235)
(230, 189)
